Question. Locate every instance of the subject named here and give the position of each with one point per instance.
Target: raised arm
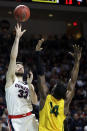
(74, 75)
(14, 52)
(41, 77)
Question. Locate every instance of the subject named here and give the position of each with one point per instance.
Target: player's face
(19, 69)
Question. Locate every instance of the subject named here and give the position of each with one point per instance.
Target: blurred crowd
(57, 64)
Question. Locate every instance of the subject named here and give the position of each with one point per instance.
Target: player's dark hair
(19, 63)
(19, 74)
(59, 91)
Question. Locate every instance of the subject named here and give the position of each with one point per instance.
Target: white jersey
(18, 98)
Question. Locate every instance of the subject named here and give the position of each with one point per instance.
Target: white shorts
(28, 123)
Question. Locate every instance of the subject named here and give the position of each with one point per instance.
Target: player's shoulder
(47, 98)
(10, 81)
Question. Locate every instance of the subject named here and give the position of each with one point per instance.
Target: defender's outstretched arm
(41, 77)
(74, 75)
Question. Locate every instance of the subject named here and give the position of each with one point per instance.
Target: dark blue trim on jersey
(12, 129)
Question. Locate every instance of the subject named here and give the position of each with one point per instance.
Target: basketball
(22, 13)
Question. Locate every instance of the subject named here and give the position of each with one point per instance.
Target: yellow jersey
(51, 117)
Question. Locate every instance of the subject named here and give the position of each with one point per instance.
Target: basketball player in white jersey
(19, 95)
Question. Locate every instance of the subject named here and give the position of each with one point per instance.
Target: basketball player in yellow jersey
(55, 106)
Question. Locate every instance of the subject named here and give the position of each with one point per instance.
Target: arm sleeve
(39, 64)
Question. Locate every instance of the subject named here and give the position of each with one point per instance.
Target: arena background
(62, 25)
